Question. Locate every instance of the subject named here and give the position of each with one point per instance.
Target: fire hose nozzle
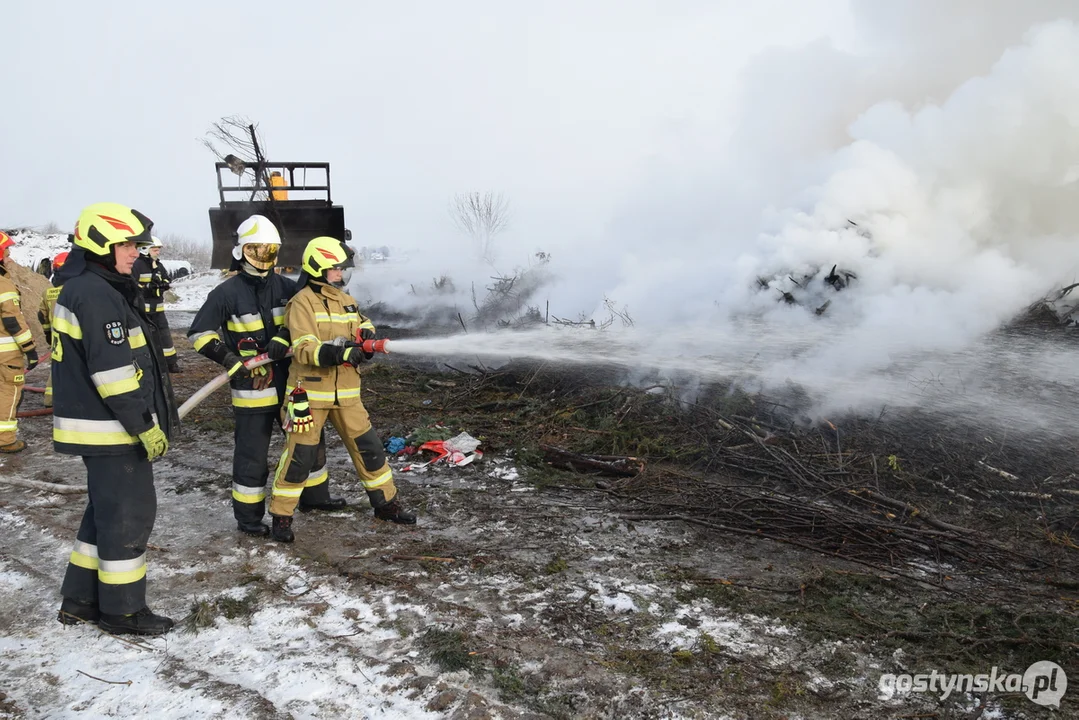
(375, 346)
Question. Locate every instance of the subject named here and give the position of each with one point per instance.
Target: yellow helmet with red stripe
(103, 225)
(324, 253)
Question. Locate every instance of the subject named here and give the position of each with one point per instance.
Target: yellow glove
(298, 417)
(155, 442)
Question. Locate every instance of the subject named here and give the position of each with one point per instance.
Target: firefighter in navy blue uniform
(243, 317)
(113, 405)
(154, 282)
(324, 385)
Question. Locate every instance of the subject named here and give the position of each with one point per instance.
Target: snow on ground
(31, 246)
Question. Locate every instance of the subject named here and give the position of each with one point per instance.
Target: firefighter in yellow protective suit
(323, 384)
(17, 353)
(44, 315)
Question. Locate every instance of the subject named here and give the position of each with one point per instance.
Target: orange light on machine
(277, 181)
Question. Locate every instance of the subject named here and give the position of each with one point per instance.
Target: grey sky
(561, 105)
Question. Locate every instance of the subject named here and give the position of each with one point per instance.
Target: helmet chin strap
(252, 270)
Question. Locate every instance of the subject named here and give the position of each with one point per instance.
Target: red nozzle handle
(374, 346)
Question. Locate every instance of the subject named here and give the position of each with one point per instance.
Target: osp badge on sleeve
(115, 332)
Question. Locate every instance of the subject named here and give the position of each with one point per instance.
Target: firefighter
(17, 352)
(243, 317)
(154, 281)
(114, 407)
(44, 315)
(324, 384)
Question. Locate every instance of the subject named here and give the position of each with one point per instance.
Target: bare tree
(236, 140)
(481, 217)
(180, 247)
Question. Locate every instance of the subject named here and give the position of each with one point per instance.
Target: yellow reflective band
(146, 277)
(48, 390)
(9, 425)
(116, 381)
(24, 336)
(234, 368)
(199, 341)
(245, 323)
(379, 481)
(6, 341)
(169, 351)
(367, 325)
(91, 432)
(136, 338)
(248, 495)
(346, 393)
(122, 572)
(321, 317)
(64, 321)
(317, 477)
(118, 388)
(255, 398)
(304, 339)
(318, 395)
(83, 561)
(293, 491)
(278, 316)
(9, 297)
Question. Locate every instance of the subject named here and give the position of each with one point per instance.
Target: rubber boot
(144, 622)
(174, 364)
(330, 505)
(17, 446)
(282, 528)
(74, 613)
(259, 529)
(393, 512)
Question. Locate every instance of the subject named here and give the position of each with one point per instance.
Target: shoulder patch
(351, 308)
(115, 332)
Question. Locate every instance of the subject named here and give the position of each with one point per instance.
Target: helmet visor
(262, 256)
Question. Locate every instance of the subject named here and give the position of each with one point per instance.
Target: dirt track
(513, 597)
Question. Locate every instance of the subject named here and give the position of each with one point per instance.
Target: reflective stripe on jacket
(15, 337)
(320, 314)
(245, 306)
(108, 374)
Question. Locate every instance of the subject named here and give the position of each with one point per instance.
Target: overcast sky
(562, 106)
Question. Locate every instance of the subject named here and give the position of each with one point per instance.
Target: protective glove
(31, 359)
(235, 366)
(155, 442)
(366, 334)
(263, 375)
(298, 412)
(354, 355)
(278, 348)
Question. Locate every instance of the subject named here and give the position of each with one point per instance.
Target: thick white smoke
(937, 161)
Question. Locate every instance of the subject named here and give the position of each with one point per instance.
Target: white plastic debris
(463, 443)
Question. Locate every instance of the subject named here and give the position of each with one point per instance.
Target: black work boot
(260, 529)
(282, 528)
(174, 365)
(144, 622)
(395, 513)
(73, 612)
(331, 504)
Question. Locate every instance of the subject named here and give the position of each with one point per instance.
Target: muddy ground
(523, 592)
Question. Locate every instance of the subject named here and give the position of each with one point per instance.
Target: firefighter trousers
(250, 468)
(107, 567)
(163, 335)
(304, 449)
(12, 377)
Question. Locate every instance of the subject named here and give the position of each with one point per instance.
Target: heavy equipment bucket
(300, 209)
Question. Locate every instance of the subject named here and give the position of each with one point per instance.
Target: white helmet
(155, 241)
(257, 230)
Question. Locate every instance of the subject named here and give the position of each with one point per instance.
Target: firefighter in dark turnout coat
(113, 405)
(243, 317)
(154, 282)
